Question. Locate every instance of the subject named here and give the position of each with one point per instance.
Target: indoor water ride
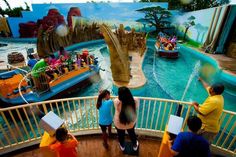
(19, 87)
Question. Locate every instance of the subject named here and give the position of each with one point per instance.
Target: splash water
(193, 74)
(155, 76)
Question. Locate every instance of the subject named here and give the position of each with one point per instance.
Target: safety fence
(19, 125)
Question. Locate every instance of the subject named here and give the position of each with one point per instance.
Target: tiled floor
(226, 63)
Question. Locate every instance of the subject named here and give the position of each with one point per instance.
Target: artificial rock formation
(120, 44)
(119, 58)
(74, 11)
(131, 41)
(86, 32)
(48, 39)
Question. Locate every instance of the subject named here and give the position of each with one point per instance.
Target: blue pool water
(166, 78)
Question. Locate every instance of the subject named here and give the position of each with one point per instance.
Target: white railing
(19, 126)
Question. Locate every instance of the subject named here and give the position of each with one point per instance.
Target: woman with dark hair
(104, 105)
(125, 117)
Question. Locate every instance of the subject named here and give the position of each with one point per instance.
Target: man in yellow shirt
(210, 111)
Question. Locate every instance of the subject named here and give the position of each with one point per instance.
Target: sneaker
(135, 148)
(105, 145)
(122, 148)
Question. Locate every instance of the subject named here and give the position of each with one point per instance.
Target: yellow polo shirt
(211, 109)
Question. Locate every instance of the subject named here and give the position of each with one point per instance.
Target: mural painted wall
(114, 14)
(109, 13)
(203, 19)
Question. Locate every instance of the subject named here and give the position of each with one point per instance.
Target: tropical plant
(27, 6)
(2, 12)
(188, 24)
(192, 5)
(203, 4)
(15, 12)
(8, 5)
(157, 17)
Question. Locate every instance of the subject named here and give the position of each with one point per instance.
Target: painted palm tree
(2, 12)
(200, 29)
(144, 22)
(204, 31)
(188, 24)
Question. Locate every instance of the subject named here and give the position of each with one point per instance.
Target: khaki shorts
(209, 136)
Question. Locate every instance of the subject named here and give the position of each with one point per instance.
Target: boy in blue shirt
(190, 144)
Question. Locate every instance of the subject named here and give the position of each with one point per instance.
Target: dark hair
(78, 56)
(194, 123)
(62, 48)
(218, 88)
(100, 97)
(125, 96)
(52, 56)
(31, 56)
(61, 134)
(46, 56)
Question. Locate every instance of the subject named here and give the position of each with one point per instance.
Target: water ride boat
(17, 87)
(167, 49)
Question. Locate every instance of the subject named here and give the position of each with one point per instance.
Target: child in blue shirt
(104, 105)
(190, 144)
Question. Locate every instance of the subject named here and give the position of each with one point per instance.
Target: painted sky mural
(110, 13)
(114, 14)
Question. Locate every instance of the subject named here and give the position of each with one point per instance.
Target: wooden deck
(91, 146)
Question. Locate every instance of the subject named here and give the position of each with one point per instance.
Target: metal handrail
(19, 125)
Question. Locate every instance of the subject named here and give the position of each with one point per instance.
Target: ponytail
(100, 97)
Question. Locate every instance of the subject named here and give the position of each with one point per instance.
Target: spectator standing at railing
(104, 105)
(125, 117)
(210, 111)
(190, 144)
